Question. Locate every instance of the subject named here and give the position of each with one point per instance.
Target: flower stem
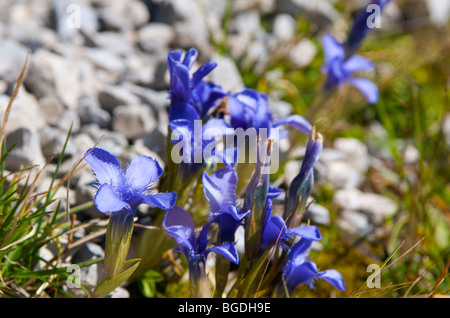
(118, 238)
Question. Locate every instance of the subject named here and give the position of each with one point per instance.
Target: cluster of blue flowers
(195, 100)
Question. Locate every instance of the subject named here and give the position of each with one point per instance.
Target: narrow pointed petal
(178, 224)
(105, 165)
(190, 57)
(220, 188)
(334, 278)
(163, 201)
(309, 232)
(302, 274)
(367, 88)
(356, 63)
(179, 82)
(332, 49)
(295, 121)
(106, 200)
(274, 231)
(227, 250)
(202, 71)
(141, 172)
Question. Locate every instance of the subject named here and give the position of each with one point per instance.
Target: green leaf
(59, 270)
(251, 283)
(106, 286)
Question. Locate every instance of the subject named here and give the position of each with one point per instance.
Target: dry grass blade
(13, 96)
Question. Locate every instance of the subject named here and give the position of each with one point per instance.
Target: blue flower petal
(227, 250)
(179, 82)
(309, 232)
(333, 277)
(190, 57)
(296, 121)
(163, 201)
(141, 172)
(201, 72)
(274, 231)
(105, 165)
(356, 63)
(106, 200)
(182, 110)
(220, 188)
(332, 49)
(304, 273)
(367, 88)
(178, 224)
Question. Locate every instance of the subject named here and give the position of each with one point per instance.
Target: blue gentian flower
(220, 192)
(179, 224)
(195, 142)
(191, 98)
(250, 109)
(276, 231)
(360, 29)
(339, 69)
(300, 270)
(125, 190)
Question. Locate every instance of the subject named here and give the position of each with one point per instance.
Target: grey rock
(346, 163)
(112, 96)
(226, 74)
(107, 61)
(133, 121)
(73, 16)
(356, 151)
(111, 141)
(376, 206)
(318, 214)
(188, 21)
(25, 111)
(52, 142)
(155, 36)
(117, 42)
(50, 74)
(355, 222)
(439, 11)
(283, 27)
(303, 53)
(157, 100)
(90, 112)
(320, 12)
(13, 55)
(155, 141)
(119, 292)
(69, 118)
(27, 151)
(119, 15)
(52, 109)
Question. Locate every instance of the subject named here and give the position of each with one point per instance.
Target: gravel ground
(100, 66)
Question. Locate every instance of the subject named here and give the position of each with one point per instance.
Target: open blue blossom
(191, 98)
(250, 109)
(195, 142)
(125, 190)
(179, 224)
(276, 231)
(220, 192)
(339, 69)
(300, 270)
(360, 28)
